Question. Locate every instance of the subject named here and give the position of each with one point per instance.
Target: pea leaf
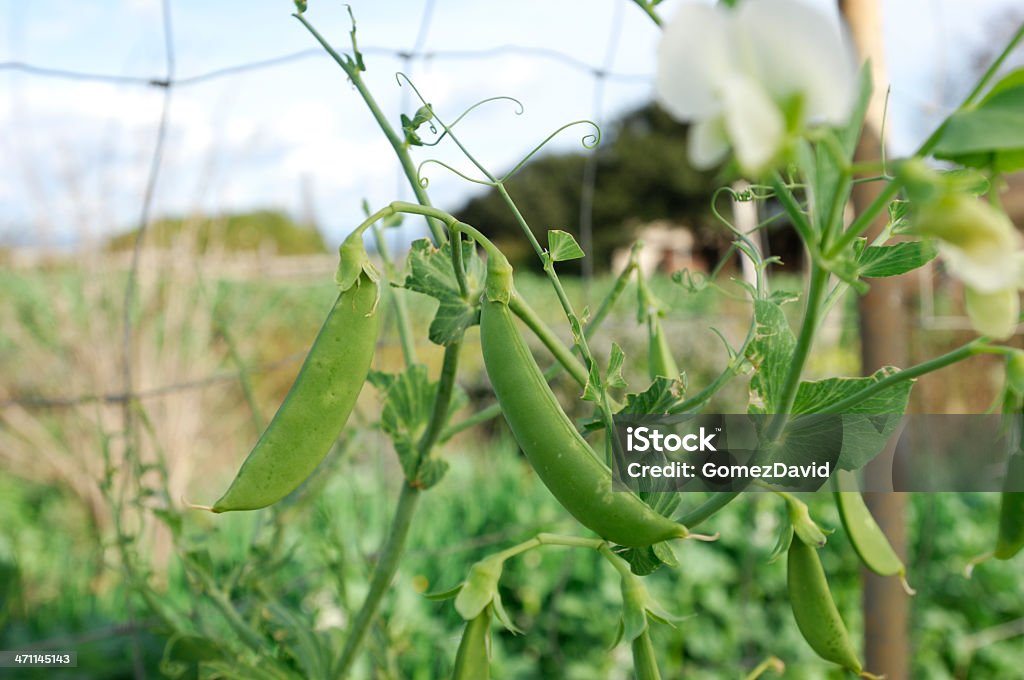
(658, 398)
(563, 247)
(770, 352)
(410, 125)
(431, 273)
(615, 361)
(990, 134)
(900, 258)
(408, 406)
(867, 426)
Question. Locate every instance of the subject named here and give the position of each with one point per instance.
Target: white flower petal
(707, 144)
(694, 54)
(795, 49)
(993, 314)
(985, 267)
(753, 122)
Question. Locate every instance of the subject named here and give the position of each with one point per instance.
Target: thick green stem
(380, 581)
(397, 299)
(442, 400)
(385, 568)
(787, 394)
(808, 327)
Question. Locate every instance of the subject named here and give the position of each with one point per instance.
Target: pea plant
(772, 93)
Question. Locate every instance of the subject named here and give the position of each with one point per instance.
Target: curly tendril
(425, 181)
(589, 141)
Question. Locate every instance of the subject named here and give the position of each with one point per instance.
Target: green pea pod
(660, 361)
(867, 537)
(562, 458)
(323, 395)
(645, 662)
(1010, 540)
(472, 661)
(814, 610)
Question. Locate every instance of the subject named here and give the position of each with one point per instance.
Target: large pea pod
(323, 395)
(814, 610)
(472, 661)
(868, 539)
(1010, 540)
(563, 460)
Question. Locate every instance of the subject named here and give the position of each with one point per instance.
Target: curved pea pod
(814, 610)
(1010, 540)
(563, 460)
(322, 397)
(867, 538)
(472, 661)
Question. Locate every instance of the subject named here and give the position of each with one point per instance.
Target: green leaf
(444, 594)
(992, 133)
(770, 352)
(900, 258)
(430, 472)
(410, 125)
(642, 561)
(615, 361)
(430, 273)
(867, 426)
(563, 246)
(658, 398)
(408, 406)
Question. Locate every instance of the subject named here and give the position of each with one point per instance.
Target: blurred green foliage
(296, 575)
(232, 232)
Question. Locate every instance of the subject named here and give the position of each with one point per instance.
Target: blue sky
(76, 153)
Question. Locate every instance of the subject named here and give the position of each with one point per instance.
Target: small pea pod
(323, 395)
(1010, 540)
(472, 662)
(660, 362)
(867, 538)
(563, 460)
(1010, 537)
(814, 610)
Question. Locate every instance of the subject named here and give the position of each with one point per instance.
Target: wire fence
(169, 81)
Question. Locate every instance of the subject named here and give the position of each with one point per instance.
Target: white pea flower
(748, 78)
(981, 247)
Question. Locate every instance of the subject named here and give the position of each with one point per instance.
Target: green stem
(521, 308)
(397, 144)
(787, 395)
(976, 346)
(645, 661)
(397, 299)
(442, 401)
(380, 581)
(865, 219)
(794, 211)
(648, 9)
(808, 328)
